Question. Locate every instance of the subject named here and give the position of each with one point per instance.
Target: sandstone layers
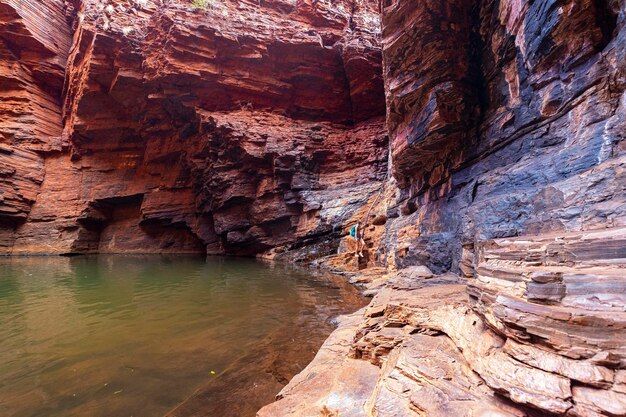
(163, 127)
(506, 123)
(541, 334)
(496, 240)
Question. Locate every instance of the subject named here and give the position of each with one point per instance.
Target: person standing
(357, 233)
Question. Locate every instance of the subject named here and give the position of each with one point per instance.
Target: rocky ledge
(519, 338)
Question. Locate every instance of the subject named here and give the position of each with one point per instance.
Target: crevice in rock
(606, 19)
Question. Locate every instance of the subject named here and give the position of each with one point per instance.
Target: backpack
(353, 231)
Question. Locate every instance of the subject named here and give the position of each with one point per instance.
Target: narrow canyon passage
(463, 162)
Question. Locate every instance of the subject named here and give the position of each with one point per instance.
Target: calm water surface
(150, 336)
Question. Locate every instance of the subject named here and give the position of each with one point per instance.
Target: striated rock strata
(521, 133)
(482, 140)
(541, 333)
(149, 126)
(506, 126)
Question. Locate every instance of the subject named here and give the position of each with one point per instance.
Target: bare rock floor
(378, 363)
(428, 345)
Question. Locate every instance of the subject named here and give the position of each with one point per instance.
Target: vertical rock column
(431, 81)
(34, 43)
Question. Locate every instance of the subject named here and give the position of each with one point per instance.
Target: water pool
(153, 336)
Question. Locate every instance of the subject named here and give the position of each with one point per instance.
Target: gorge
(481, 141)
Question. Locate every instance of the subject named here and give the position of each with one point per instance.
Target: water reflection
(136, 335)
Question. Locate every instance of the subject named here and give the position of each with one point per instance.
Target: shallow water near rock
(150, 336)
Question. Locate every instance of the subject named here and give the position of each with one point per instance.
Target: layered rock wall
(235, 127)
(506, 118)
(506, 125)
(258, 128)
(34, 44)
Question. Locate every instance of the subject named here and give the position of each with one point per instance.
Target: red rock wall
(237, 128)
(258, 127)
(34, 44)
(33, 55)
(432, 79)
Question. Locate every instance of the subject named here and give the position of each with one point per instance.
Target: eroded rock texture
(258, 127)
(239, 127)
(506, 122)
(506, 118)
(541, 334)
(34, 44)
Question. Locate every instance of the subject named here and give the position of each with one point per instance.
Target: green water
(139, 336)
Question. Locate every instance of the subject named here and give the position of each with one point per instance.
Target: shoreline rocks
(439, 350)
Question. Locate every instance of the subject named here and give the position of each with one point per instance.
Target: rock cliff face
(506, 125)
(232, 127)
(506, 118)
(510, 159)
(496, 207)
(34, 44)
